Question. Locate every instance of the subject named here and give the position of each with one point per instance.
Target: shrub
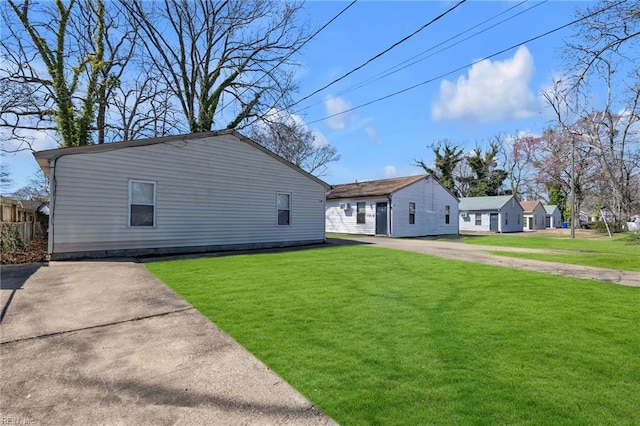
(615, 226)
(11, 242)
(633, 238)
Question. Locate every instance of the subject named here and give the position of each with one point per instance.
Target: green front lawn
(380, 336)
(614, 253)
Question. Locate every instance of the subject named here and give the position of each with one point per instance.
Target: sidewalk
(107, 343)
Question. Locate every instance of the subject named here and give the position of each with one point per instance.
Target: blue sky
(469, 106)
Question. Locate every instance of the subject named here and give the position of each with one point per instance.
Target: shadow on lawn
(330, 243)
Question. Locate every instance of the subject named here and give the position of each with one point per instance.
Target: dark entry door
(493, 222)
(381, 219)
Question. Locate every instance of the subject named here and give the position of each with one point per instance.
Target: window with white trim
(478, 219)
(447, 215)
(142, 203)
(284, 208)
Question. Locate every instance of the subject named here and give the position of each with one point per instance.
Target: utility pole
(573, 187)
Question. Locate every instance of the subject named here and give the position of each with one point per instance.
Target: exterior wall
(511, 217)
(345, 221)
(468, 223)
(538, 216)
(553, 219)
(216, 191)
(430, 198)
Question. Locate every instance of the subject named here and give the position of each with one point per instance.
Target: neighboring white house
(501, 213)
(188, 193)
(553, 216)
(399, 207)
(535, 216)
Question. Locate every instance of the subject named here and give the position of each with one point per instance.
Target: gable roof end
(44, 158)
(529, 206)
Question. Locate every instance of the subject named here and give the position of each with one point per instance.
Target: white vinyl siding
(510, 209)
(345, 221)
(429, 197)
(203, 197)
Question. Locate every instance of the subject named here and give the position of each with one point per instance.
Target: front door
(530, 220)
(381, 219)
(493, 222)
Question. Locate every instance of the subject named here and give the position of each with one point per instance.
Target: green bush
(615, 226)
(633, 238)
(11, 241)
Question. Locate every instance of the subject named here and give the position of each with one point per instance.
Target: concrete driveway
(107, 343)
(480, 254)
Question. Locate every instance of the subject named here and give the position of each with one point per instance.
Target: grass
(615, 253)
(386, 337)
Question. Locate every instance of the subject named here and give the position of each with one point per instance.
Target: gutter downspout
(52, 202)
(390, 233)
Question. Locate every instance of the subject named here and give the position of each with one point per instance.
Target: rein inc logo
(10, 420)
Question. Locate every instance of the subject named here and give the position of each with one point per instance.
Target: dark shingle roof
(372, 188)
(528, 206)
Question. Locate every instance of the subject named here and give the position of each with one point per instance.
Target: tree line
(96, 71)
(591, 149)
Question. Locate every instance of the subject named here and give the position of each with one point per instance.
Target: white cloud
(373, 135)
(319, 139)
(336, 106)
(389, 171)
(492, 91)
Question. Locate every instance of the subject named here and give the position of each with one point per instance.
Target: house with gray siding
(535, 216)
(553, 216)
(188, 193)
(398, 207)
(502, 213)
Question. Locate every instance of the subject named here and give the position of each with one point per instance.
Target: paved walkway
(480, 254)
(107, 343)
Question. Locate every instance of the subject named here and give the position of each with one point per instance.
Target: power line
(390, 95)
(297, 49)
(393, 46)
(398, 67)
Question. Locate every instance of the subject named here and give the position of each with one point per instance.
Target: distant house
(399, 207)
(553, 216)
(30, 217)
(187, 193)
(502, 213)
(535, 216)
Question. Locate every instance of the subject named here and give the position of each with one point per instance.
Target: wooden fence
(27, 230)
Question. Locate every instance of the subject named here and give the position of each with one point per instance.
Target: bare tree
(225, 62)
(597, 106)
(37, 188)
(67, 67)
(296, 144)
